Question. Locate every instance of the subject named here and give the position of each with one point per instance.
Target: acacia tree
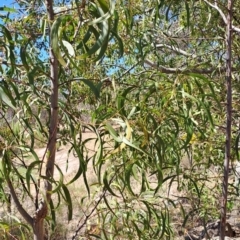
(164, 94)
(39, 81)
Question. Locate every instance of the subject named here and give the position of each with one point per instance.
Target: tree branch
(176, 49)
(54, 110)
(184, 70)
(215, 6)
(20, 208)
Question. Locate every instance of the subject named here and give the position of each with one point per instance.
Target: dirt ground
(69, 164)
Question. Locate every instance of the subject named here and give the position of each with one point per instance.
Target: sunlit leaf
(5, 97)
(54, 35)
(69, 48)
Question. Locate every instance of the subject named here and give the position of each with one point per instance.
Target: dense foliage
(146, 80)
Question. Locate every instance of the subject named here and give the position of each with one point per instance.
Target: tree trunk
(229, 119)
(38, 230)
(41, 213)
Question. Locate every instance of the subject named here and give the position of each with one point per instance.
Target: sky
(6, 3)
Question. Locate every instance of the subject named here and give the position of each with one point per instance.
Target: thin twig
(186, 70)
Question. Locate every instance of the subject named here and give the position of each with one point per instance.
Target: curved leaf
(60, 181)
(106, 16)
(23, 56)
(54, 37)
(107, 185)
(29, 172)
(6, 98)
(120, 44)
(68, 200)
(69, 48)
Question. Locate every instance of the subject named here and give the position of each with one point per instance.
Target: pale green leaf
(6, 98)
(69, 48)
(55, 39)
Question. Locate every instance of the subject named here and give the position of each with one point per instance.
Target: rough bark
(229, 119)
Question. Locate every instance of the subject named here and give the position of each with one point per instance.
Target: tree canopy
(155, 86)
